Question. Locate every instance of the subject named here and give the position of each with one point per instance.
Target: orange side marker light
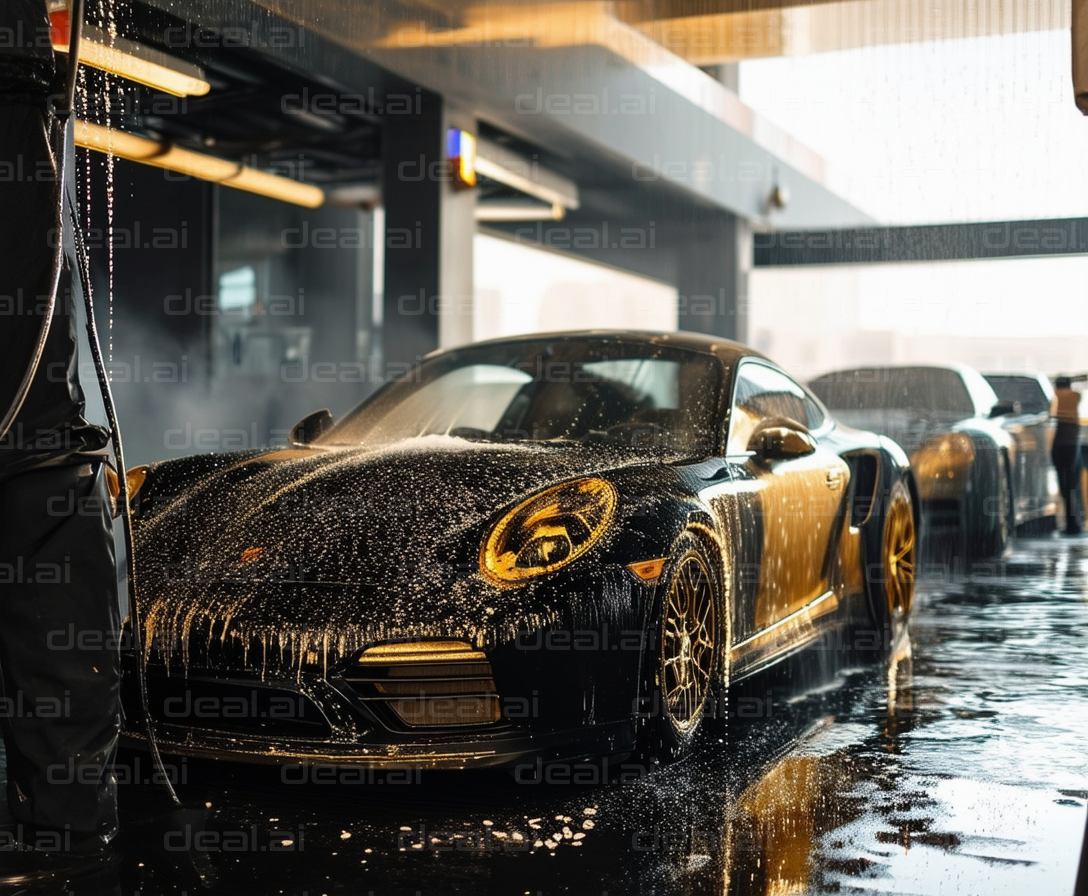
(648, 570)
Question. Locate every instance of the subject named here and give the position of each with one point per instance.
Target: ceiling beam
(1043, 237)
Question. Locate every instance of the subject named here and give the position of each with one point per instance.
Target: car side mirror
(310, 428)
(779, 442)
(1005, 409)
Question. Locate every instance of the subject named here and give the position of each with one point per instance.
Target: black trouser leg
(1064, 458)
(59, 653)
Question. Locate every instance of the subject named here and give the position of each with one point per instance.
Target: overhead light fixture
(195, 164)
(499, 211)
(527, 176)
(461, 155)
(354, 195)
(126, 58)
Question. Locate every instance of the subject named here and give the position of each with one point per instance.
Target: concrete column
(458, 228)
(429, 228)
(412, 155)
(713, 260)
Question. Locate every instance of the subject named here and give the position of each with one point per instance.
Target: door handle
(834, 478)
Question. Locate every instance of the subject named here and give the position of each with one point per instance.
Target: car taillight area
(428, 683)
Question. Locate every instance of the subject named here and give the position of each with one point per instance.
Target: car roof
(981, 392)
(1036, 376)
(727, 350)
(959, 369)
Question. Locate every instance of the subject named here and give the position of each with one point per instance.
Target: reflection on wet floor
(961, 768)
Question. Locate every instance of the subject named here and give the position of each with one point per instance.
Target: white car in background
(1035, 481)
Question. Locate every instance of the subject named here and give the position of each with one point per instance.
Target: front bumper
(317, 720)
(485, 751)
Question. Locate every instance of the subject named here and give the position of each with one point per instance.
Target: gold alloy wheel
(899, 553)
(687, 655)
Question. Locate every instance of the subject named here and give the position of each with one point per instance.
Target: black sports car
(543, 548)
(980, 471)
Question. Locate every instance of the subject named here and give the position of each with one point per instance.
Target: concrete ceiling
(505, 62)
(703, 32)
(573, 78)
(721, 31)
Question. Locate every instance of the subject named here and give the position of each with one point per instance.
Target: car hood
(309, 551)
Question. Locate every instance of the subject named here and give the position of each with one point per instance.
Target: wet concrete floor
(960, 768)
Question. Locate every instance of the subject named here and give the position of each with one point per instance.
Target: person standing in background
(1065, 452)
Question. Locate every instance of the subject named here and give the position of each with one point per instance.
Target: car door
(1034, 485)
(1033, 478)
(789, 502)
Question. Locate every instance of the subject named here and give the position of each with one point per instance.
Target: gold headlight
(548, 531)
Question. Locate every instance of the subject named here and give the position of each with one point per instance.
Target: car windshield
(1023, 389)
(645, 397)
(900, 388)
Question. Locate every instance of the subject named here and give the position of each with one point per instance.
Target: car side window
(762, 393)
(816, 415)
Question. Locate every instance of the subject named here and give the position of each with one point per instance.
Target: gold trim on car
(766, 641)
(419, 652)
(429, 683)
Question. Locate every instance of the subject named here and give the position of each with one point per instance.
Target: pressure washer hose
(126, 514)
(66, 197)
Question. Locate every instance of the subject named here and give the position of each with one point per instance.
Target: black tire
(891, 558)
(1010, 503)
(685, 665)
(1037, 528)
(989, 524)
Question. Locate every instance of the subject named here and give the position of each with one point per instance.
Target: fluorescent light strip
(518, 211)
(194, 164)
(128, 59)
(527, 176)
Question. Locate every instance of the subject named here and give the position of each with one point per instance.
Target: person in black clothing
(1065, 451)
(59, 667)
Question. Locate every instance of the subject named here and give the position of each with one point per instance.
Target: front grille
(221, 705)
(427, 683)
